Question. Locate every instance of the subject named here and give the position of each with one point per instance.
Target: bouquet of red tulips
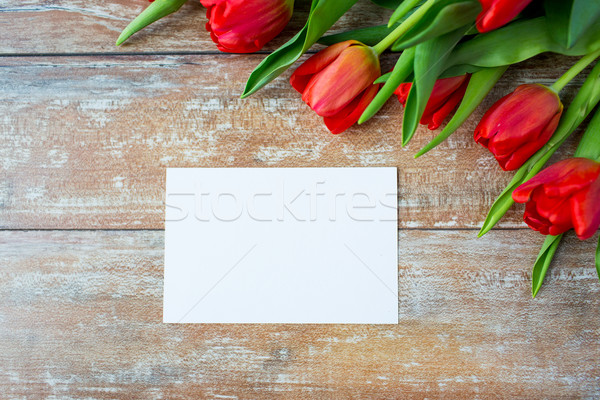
(451, 54)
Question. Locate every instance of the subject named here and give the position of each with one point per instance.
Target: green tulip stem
(574, 71)
(402, 28)
(401, 11)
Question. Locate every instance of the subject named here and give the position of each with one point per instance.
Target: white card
(281, 245)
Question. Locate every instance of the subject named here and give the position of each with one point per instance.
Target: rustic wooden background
(87, 131)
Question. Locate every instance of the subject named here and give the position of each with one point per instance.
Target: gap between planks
(139, 54)
(162, 229)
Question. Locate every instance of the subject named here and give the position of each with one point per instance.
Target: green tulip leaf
(383, 78)
(587, 42)
(323, 14)
(403, 68)
(152, 13)
(369, 36)
(458, 70)
(444, 16)
(479, 86)
(569, 19)
(429, 63)
(517, 42)
(511, 44)
(391, 4)
(586, 99)
(404, 9)
(543, 261)
(448, 73)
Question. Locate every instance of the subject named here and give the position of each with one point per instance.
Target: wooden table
(86, 133)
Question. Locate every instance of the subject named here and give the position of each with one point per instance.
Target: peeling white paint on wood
(95, 26)
(74, 123)
(82, 310)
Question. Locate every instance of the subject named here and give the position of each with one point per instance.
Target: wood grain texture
(78, 26)
(84, 141)
(80, 317)
(85, 137)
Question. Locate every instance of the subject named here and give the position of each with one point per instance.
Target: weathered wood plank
(77, 26)
(80, 317)
(84, 141)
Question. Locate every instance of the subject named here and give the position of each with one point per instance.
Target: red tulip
(497, 13)
(519, 124)
(446, 95)
(563, 196)
(244, 26)
(337, 83)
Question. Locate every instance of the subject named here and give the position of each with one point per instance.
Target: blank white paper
(281, 245)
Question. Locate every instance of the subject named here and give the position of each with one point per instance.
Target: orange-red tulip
(447, 93)
(563, 196)
(244, 26)
(497, 13)
(519, 124)
(337, 83)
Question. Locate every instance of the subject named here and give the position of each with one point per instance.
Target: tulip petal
(553, 209)
(585, 206)
(563, 196)
(513, 161)
(522, 153)
(497, 13)
(240, 26)
(299, 82)
(434, 120)
(319, 61)
(402, 92)
(352, 112)
(334, 87)
(523, 118)
(533, 219)
(522, 193)
(519, 124)
(486, 129)
(553, 173)
(559, 216)
(442, 90)
(579, 174)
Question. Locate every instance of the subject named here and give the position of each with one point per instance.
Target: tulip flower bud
(519, 124)
(245, 26)
(445, 96)
(337, 83)
(497, 13)
(563, 196)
